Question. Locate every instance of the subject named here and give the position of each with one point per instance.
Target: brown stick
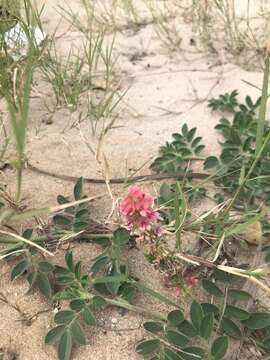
(121, 180)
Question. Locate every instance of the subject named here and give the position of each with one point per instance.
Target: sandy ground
(165, 91)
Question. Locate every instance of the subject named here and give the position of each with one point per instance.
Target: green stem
(177, 217)
(4, 149)
(8, 240)
(262, 112)
(222, 312)
(19, 181)
(251, 169)
(141, 310)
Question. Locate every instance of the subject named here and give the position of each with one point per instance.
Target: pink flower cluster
(138, 209)
(191, 281)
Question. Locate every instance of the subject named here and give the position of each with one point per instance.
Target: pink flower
(190, 281)
(138, 209)
(159, 231)
(193, 281)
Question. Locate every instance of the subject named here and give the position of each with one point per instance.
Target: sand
(165, 90)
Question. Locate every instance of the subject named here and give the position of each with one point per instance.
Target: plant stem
(251, 169)
(41, 238)
(124, 304)
(262, 112)
(260, 145)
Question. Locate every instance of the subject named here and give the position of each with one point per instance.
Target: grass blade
(262, 112)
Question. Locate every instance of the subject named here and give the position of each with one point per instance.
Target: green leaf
(45, 267)
(207, 326)
(239, 295)
(219, 347)
(121, 237)
(27, 234)
(31, 278)
(185, 130)
(175, 317)
(155, 294)
(191, 134)
(64, 317)
(266, 343)
(176, 338)
(62, 200)
(80, 226)
(69, 260)
(117, 278)
(78, 188)
(211, 288)
(99, 264)
(54, 334)
(187, 329)
(230, 328)
(98, 302)
(77, 333)
(102, 289)
(77, 305)
(236, 312)
(61, 220)
(196, 314)
(66, 295)
(148, 347)
(153, 326)
(88, 317)
(64, 280)
(257, 320)
(128, 292)
(19, 269)
(82, 214)
(199, 149)
(211, 162)
(77, 270)
(43, 283)
(113, 282)
(210, 308)
(59, 270)
(104, 241)
(225, 277)
(171, 355)
(65, 346)
(165, 192)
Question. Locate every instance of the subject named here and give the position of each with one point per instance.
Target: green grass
(16, 82)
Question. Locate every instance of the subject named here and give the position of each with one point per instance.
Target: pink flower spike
(138, 210)
(135, 191)
(178, 291)
(159, 231)
(193, 281)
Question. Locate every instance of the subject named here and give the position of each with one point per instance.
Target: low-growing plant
(237, 151)
(205, 333)
(238, 34)
(86, 77)
(16, 80)
(175, 155)
(206, 323)
(65, 76)
(164, 22)
(240, 182)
